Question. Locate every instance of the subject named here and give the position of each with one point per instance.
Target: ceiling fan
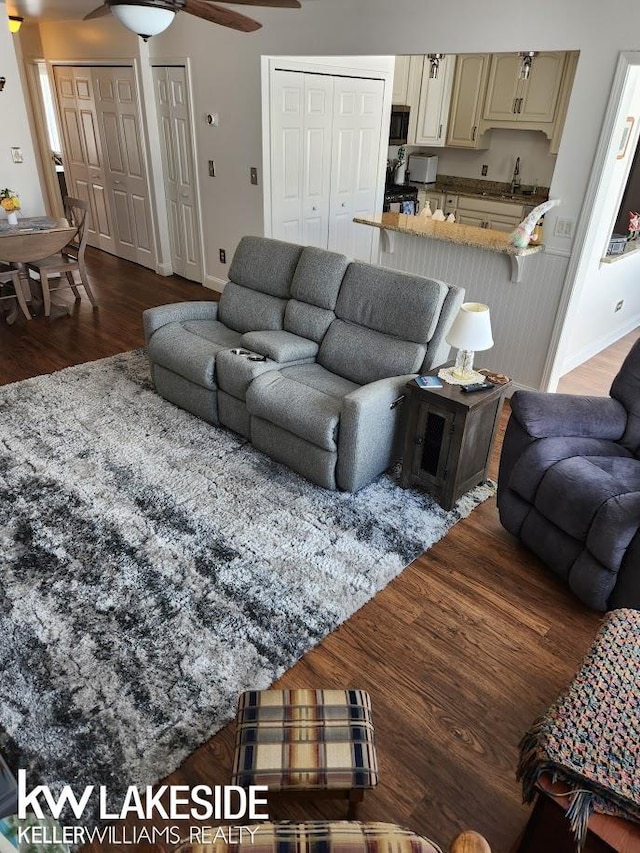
(149, 17)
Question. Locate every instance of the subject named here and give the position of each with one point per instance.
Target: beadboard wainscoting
(522, 314)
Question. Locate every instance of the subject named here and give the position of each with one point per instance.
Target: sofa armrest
(280, 346)
(370, 428)
(154, 318)
(544, 415)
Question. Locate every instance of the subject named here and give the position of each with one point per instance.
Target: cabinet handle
(473, 133)
(520, 105)
(439, 131)
(344, 204)
(313, 207)
(515, 106)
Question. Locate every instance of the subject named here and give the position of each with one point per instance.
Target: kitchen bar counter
(449, 232)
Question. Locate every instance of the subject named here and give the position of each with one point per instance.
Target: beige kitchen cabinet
(487, 213)
(400, 90)
(428, 123)
(527, 104)
(435, 200)
(571, 64)
(467, 101)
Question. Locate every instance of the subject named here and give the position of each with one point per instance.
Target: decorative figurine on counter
(438, 216)
(521, 236)
(425, 213)
(451, 217)
(634, 225)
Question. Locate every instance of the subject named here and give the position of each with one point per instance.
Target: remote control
(477, 386)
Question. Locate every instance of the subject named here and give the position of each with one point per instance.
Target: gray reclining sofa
(306, 354)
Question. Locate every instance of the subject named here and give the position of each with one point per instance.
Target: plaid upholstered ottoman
(306, 740)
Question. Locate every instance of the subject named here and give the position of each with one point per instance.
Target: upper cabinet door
(503, 89)
(399, 93)
(540, 90)
(467, 101)
(433, 107)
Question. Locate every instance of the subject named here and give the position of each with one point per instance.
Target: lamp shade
(471, 329)
(146, 21)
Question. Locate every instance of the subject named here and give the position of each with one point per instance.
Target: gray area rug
(153, 567)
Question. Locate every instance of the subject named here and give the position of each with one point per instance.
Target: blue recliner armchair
(569, 486)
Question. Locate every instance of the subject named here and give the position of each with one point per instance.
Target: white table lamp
(470, 332)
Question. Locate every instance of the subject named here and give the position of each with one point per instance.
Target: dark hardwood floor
(459, 653)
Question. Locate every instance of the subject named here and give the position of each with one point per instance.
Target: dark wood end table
(449, 438)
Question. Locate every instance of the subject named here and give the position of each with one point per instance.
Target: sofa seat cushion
(305, 400)
(280, 346)
(590, 498)
(189, 348)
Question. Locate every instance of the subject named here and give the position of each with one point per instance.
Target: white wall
(22, 178)
(226, 74)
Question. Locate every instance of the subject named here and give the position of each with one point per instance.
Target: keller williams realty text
(220, 802)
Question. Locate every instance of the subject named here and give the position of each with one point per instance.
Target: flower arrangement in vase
(10, 202)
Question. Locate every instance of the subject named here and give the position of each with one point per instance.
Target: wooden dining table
(33, 238)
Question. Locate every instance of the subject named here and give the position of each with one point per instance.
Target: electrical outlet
(212, 169)
(618, 305)
(254, 175)
(223, 256)
(485, 169)
(564, 227)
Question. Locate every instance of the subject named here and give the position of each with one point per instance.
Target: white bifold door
(325, 156)
(174, 118)
(104, 157)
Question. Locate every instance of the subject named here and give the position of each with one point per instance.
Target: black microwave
(399, 127)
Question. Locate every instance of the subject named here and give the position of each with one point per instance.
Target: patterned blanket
(589, 739)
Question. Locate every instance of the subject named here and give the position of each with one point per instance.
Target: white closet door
(301, 120)
(357, 116)
(83, 160)
(116, 99)
(172, 101)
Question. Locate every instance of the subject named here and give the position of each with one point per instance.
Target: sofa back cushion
(259, 284)
(314, 292)
(384, 322)
(626, 389)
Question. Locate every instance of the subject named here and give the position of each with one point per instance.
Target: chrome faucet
(515, 180)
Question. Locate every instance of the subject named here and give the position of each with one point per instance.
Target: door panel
(356, 140)
(301, 118)
(118, 114)
(174, 117)
(83, 152)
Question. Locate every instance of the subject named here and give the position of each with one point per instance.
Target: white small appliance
(422, 168)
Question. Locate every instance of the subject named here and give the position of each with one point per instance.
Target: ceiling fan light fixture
(145, 21)
(15, 22)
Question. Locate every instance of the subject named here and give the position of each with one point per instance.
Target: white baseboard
(164, 268)
(217, 284)
(594, 347)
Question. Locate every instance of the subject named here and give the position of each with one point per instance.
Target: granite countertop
(449, 232)
(493, 190)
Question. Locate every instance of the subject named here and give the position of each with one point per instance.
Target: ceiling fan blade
(225, 17)
(275, 4)
(98, 13)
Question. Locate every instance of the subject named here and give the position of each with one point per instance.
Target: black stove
(396, 193)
